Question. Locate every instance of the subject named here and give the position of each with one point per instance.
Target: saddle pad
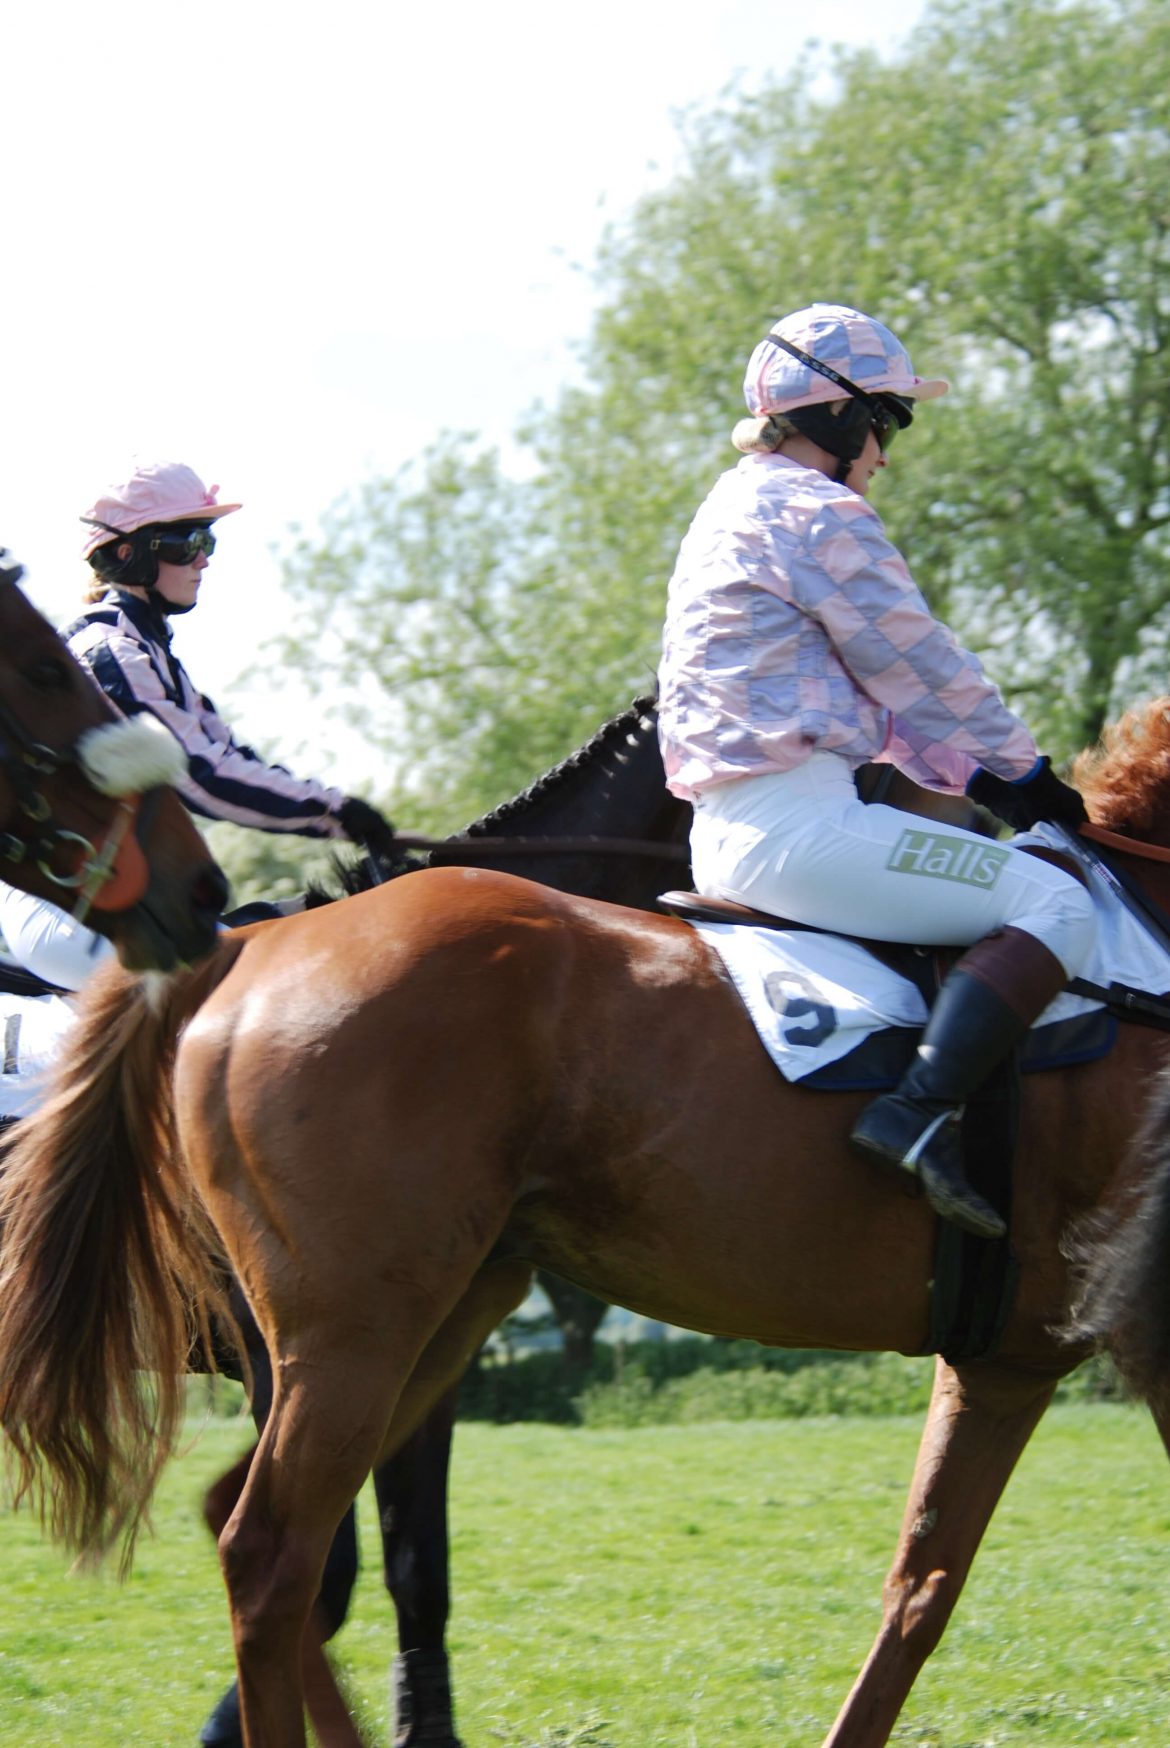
(815, 998)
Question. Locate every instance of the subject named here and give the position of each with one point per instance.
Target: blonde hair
(762, 435)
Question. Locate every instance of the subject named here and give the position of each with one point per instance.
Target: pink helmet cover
(855, 345)
(157, 491)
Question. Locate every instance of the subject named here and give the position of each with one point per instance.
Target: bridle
(66, 858)
(118, 759)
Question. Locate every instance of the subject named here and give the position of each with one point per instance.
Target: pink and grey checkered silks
(793, 623)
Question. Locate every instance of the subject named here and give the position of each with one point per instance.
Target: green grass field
(682, 1586)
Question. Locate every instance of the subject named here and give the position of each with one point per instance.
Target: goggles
(884, 423)
(178, 545)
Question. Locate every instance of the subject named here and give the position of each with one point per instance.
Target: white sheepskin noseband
(124, 758)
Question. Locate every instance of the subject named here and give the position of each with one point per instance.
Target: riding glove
(1039, 796)
(364, 825)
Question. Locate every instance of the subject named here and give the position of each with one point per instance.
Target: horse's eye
(49, 674)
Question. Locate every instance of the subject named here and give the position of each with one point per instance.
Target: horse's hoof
(421, 1698)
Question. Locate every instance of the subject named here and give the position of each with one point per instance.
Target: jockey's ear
(125, 551)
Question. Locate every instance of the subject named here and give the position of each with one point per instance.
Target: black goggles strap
(850, 388)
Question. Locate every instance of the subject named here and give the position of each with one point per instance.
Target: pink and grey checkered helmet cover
(156, 491)
(854, 345)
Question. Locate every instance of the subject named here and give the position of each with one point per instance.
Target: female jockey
(148, 543)
(797, 648)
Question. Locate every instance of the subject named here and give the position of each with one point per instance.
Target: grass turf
(714, 1584)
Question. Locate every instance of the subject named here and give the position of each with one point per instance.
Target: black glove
(1029, 800)
(365, 826)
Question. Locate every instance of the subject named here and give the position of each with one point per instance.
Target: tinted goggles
(178, 545)
(884, 424)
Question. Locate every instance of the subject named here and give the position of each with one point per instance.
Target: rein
(1130, 846)
(493, 847)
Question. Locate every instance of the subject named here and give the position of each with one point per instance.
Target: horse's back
(464, 1060)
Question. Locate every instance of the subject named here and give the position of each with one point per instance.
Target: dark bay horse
(87, 817)
(389, 1110)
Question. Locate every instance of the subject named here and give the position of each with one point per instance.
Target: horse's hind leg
(323, 1698)
(979, 1421)
(322, 1436)
(327, 1429)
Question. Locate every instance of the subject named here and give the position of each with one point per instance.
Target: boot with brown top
(985, 1006)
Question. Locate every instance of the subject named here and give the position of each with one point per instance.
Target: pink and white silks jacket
(793, 624)
(126, 645)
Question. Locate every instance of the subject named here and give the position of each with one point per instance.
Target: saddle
(974, 1280)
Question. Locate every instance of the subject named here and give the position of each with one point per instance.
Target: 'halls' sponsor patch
(945, 858)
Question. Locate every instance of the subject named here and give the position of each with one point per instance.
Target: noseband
(66, 858)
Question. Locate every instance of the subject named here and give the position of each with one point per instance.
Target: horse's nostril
(210, 890)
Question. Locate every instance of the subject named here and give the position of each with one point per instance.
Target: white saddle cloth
(813, 998)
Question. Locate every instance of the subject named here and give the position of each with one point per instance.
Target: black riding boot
(984, 1008)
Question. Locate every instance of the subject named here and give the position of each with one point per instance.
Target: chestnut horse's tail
(1123, 1301)
(108, 1263)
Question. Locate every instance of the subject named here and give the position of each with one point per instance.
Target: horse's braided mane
(616, 730)
(355, 877)
(1125, 778)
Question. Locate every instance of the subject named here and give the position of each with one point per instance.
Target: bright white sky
(289, 244)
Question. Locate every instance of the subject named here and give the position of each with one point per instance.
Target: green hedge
(657, 1383)
(695, 1379)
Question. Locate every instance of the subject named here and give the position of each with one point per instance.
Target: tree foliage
(1000, 194)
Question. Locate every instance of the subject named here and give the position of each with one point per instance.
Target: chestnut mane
(1125, 778)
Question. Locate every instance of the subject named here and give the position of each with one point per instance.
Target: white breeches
(802, 843)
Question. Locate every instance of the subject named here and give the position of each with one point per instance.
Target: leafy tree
(269, 864)
(415, 596)
(997, 193)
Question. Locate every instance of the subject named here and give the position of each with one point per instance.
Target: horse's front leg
(412, 1511)
(980, 1419)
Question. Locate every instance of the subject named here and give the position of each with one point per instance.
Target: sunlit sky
(290, 244)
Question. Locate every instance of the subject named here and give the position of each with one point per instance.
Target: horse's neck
(618, 793)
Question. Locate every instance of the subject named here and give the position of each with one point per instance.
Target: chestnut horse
(388, 1110)
(86, 817)
(609, 799)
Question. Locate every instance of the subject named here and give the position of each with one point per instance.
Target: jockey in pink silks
(797, 648)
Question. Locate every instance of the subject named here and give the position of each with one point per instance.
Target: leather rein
(490, 847)
(583, 846)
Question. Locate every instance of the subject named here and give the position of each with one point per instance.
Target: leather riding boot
(985, 1006)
